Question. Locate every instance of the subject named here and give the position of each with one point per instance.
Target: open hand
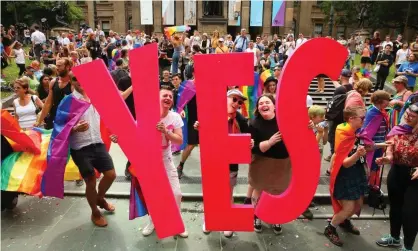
(382, 161)
(277, 137)
(196, 125)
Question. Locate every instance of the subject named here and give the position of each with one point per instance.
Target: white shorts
(352, 55)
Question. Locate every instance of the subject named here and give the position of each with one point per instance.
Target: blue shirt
(241, 43)
(1, 48)
(408, 66)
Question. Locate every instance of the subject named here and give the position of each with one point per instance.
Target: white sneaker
(185, 234)
(148, 230)
(228, 234)
(204, 228)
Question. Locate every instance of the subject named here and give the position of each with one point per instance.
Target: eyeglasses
(240, 102)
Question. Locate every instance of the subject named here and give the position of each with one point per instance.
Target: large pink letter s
(291, 116)
(140, 142)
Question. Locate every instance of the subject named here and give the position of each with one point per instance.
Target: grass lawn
(11, 73)
(391, 75)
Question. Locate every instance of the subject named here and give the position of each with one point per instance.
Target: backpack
(335, 108)
(188, 71)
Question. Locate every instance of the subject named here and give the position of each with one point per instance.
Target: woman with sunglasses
(348, 183)
(25, 105)
(402, 181)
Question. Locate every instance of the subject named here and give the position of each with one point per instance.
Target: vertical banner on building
(279, 8)
(234, 12)
(168, 10)
(256, 11)
(145, 7)
(190, 12)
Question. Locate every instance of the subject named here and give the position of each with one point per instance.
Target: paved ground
(59, 225)
(191, 182)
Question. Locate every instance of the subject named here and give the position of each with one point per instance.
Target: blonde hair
(316, 110)
(363, 86)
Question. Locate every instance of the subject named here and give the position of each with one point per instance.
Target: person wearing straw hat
(402, 94)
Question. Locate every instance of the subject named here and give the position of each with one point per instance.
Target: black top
(110, 48)
(166, 84)
(243, 126)
(118, 74)
(192, 112)
(123, 84)
(94, 47)
(59, 94)
(383, 68)
(343, 89)
(277, 44)
(42, 93)
(262, 130)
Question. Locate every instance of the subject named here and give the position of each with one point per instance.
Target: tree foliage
(32, 12)
(380, 14)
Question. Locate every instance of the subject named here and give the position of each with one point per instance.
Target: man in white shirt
(37, 38)
(65, 40)
(386, 42)
(89, 153)
(129, 39)
(300, 40)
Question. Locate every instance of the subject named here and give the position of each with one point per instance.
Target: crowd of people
(362, 139)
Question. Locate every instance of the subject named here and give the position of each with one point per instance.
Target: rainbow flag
(69, 112)
(23, 171)
(251, 93)
(168, 31)
(345, 138)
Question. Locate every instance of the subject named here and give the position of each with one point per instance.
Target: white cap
(309, 101)
(237, 93)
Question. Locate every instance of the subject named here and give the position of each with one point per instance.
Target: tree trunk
(15, 12)
(406, 20)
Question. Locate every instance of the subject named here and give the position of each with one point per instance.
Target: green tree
(380, 14)
(32, 12)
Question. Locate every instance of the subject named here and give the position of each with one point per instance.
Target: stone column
(90, 13)
(136, 15)
(288, 23)
(245, 14)
(158, 19)
(119, 17)
(267, 16)
(179, 9)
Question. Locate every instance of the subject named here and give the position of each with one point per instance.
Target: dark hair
(124, 42)
(176, 75)
(196, 48)
(379, 96)
(271, 97)
(119, 62)
(167, 88)
(41, 90)
(36, 27)
(124, 53)
(47, 72)
(388, 45)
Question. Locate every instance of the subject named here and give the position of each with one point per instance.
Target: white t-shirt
(20, 56)
(38, 37)
(129, 39)
(65, 41)
(27, 113)
(289, 47)
(253, 50)
(402, 54)
(171, 121)
(299, 42)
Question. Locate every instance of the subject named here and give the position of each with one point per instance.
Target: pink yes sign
(142, 143)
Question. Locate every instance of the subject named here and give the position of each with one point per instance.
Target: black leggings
(403, 199)
(22, 69)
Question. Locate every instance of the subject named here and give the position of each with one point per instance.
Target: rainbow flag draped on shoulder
(69, 112)
(251, 93)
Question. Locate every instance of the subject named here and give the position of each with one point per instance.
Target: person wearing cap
(345, 85)
(221, 48)
(277, 71)
(264, 60)
(255, 51)
(236, 124)
(402, 94)
(410, 70)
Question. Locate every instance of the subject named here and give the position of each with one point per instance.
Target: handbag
(376, 198)
(377, 67)
(37, 109)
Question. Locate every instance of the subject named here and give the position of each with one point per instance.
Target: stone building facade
(300, 17)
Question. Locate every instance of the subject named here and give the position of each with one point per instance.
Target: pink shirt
(354, 99)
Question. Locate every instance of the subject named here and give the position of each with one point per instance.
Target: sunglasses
(240, 102)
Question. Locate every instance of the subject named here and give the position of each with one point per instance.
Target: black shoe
(127, 174)
(332, 235)
(257, 225)
(176, 153)
(349, 227)
(277, 228)
(180, 171)
(308, 214)
(312, 204)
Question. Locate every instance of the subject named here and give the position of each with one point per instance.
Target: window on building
(105, 26)
(340, 31)
(319, 28)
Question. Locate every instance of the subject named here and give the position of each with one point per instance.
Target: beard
(63, 73)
